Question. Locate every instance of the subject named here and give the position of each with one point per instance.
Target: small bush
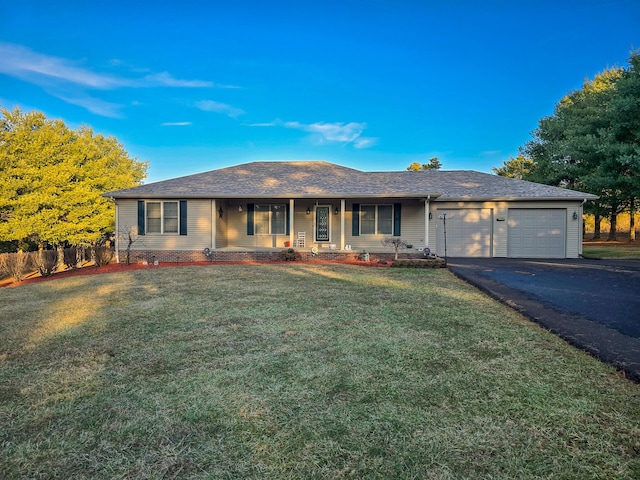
(72, 257)
(289, 254)
(103, 256)
(15, 265)
(46, 261)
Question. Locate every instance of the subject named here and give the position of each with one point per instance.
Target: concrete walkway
(592, 304)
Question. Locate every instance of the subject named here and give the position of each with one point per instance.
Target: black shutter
(355, 220)
(249, 218)
(396, 219)
(183, 217)
(286, 220)
(140, 217)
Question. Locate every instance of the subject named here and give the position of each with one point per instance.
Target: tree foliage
(518, 167)
(51, 178)
(434, 164)
(591, 142)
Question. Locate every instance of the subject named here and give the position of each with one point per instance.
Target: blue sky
(193, 86)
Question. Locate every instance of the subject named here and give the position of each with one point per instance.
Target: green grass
(298, 371)
(611, 251)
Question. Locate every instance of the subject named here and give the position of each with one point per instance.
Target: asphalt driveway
(592, 304)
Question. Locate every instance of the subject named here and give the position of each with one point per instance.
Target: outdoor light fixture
(575, 215)
(240, 208)
(220, 212)
(430, 215)
(336, 211)
(308, 211)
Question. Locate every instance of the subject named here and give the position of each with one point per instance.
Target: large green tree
(590, 143)
(51, 179)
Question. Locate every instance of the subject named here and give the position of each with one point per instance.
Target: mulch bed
(121, 267)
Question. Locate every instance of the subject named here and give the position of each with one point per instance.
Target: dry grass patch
(298, 371)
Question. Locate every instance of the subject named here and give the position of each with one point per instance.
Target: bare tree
(129, 235)
(396, 243)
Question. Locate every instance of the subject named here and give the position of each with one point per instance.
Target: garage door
(537, 233)
(468, 232)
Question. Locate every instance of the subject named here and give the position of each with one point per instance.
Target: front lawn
(612, 250)
(298, 371)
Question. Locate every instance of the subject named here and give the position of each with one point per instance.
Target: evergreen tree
(591, 142)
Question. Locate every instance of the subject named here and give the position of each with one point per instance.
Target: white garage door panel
(468, 232)
(537, 233)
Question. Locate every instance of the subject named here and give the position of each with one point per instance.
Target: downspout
(581, 227)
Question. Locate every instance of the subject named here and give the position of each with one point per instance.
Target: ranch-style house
(255, 210)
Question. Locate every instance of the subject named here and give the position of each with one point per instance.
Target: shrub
(103, 256)
(46, 261)
(72, 257)
(15, 265)
(289, 254)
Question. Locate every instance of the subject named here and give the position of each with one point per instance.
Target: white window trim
(162, 217)
(376, 217)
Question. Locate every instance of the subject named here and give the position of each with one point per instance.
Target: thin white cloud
(365, 142)
(333, 132)
(70, 81)
(336, 132)
(165, 79)
(263, 124)
(218, 107)
(175, 124)
(322, 132)
(94, 105)
(25, 64)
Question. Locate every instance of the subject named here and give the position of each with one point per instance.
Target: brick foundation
(185, 256)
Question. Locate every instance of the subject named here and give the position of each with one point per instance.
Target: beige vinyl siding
(198, 228)
(411, 225)
(574, 231)
(221, 224)
(500, 212)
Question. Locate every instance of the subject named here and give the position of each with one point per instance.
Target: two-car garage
(529, 232)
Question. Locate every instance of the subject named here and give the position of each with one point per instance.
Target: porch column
(291, 226)
(426, 221)
(213, 223)
(342, 211)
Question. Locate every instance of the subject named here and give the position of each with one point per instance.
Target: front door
(323, 223)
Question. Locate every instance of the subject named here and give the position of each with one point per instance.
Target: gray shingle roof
(327, 180)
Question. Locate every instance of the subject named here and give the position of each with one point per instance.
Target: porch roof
(316, 179)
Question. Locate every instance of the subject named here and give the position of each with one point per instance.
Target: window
(162, 217)
(269, 219)
(376, 219)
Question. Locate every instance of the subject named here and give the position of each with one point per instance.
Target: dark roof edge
(130, 196)
(573, 198)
